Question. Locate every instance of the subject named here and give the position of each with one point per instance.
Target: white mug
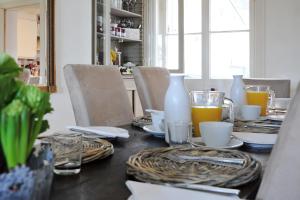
(250, 112)
(157, 119)
(216, 134)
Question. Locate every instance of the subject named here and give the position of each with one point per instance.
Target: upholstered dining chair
(98, 95)
(152, 84)
(281, 87)
(281, 179)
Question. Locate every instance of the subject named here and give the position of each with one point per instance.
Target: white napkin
(146, 191)
(105, 131)
(256, 138)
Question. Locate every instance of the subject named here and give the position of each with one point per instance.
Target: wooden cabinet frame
(51, 64)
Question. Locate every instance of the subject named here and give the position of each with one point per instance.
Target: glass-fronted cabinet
(118, 33)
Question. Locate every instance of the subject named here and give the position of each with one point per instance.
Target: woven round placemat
(94, 149)
(142, 121)
(155, 166)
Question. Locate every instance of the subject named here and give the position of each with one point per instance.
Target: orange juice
(260, 99)
(204, 114)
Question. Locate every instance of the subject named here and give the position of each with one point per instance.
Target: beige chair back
(98, 95)
(281, 179)
(152, 84)
(281, 87)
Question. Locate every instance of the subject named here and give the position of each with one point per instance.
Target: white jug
(177, 102)
(238, 94)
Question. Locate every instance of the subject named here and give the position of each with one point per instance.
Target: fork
(184, 158)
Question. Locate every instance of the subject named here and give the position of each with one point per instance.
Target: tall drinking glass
(67, 148)
(207, 106)
(260, 95)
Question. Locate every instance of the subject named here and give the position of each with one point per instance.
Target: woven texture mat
(94, 149)
(242, 126)
(155, 166)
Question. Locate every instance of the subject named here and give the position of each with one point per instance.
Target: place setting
(202, 150)
(189, 168)
(71, 150)
(157, 126)
(209, 137)
(81, 145)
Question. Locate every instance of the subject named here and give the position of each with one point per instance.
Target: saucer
(233, 143)
(155, 133)
(276, 117)
(261, 118)
(256, 138)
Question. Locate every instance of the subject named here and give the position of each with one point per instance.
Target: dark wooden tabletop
(105, 179)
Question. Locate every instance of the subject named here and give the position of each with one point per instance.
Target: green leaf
(15, 108)
(9, 70)
(45, 126)
(8, 65)
(11, 116)
(24, 135)
(38, 101)
(8, 88)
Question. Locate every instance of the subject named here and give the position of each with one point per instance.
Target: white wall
(26, 35)
(282, 40)
(73, 45)
(1, 30)
(11, 30)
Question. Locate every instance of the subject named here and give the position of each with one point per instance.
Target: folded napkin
(256, 138)
(105, 131)
(146, 191)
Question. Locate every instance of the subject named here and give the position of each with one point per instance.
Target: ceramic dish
(233, 143)
(150, 129)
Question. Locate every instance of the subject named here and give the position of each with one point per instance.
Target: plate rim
(153, 132)
(241, 143)
(249, 142)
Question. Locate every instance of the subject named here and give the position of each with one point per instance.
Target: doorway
(23, 36)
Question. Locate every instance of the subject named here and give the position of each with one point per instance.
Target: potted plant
(22, 111)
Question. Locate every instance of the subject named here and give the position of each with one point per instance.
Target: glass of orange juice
(260, 95)
(207, 106)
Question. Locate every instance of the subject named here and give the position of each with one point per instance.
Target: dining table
(105, 178)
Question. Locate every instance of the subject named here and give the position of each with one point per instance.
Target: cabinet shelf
(120, 39)
(123, 13)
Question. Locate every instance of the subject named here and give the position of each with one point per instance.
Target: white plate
(256, 138)
(261, 118)
(233, 143)
(101, 131)
(276, 117)
(150, 129)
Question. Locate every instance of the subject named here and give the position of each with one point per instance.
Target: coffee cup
(250, 112)
(157, 117)
(216, 134)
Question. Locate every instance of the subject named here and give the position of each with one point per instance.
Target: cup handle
(231, 109)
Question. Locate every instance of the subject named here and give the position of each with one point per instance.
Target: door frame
(48, 37)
